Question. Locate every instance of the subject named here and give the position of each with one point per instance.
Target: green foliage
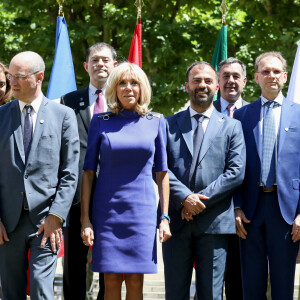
(175, 34)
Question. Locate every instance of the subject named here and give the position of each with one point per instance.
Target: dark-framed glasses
(276, 73)
(19, 76)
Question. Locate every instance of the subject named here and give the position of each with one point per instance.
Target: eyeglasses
(276, 73)
(19, 77)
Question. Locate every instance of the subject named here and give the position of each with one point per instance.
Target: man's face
(232, 82)
(99, 66)
(27, 88)
(270, 77)
(202, 86)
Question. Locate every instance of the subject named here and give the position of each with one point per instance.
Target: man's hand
(239, 219)
(193, 204)
(164, 230)
(52, 230)
(87, 233)
(3, 234)
(296, 229)
(185, 215)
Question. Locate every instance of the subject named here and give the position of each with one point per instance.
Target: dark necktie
(197, 140)
(231, 107)
(269, 141)
(99, 103)
(28, 126)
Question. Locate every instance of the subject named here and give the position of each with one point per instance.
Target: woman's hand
(87, 233)
(164, 230)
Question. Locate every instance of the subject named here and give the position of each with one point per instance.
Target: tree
(175, 34)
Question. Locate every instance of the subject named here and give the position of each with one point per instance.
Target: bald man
(39, 148)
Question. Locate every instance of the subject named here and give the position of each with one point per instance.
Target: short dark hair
(232, 60)
(272, 54)
(99, 46)
(196, 64)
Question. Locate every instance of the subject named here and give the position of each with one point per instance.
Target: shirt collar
(93, 89)
(36, 103)
(278, 99)
(206, 113)
(224, 103)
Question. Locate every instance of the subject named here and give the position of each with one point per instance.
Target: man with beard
(206, 159)
(101, 58)
(267, 204)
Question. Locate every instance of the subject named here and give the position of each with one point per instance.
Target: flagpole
(139, 4)
(60, 8)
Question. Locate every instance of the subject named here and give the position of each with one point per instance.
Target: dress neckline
(129, 114)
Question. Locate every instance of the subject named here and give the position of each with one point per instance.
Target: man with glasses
(267, 204)
(39, 148)
(101, 58)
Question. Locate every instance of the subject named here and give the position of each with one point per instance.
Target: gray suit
(48, 181)
(220, 170)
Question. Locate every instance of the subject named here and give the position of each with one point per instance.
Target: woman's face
(128, 91)
(2, 84)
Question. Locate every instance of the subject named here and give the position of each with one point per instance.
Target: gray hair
(273, 54)
(232, 60)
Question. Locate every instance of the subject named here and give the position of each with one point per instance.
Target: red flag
(135, 53)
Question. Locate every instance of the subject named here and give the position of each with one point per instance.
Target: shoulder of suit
(76, 93)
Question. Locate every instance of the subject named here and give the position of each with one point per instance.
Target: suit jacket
(79, 102)
(288, 161)
(217, 104)
(220, 169)
(50, 176)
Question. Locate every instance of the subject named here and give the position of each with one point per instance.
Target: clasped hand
(192, 205)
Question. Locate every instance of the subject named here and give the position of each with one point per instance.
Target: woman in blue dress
(124, 146)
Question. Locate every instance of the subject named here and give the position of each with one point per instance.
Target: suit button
(26, 176)
(258, 183)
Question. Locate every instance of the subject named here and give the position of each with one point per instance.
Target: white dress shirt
(224, 103)
(207, 115)
(93, 97)
(36, 103)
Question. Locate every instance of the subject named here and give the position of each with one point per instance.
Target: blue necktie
(27, 137)
(269, 141)
(197, 140)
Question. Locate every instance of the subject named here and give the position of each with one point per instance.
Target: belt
(273, 188)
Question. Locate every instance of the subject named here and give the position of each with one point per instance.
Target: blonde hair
(7, 96)
(113, 80)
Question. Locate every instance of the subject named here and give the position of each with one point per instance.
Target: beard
(201, 100)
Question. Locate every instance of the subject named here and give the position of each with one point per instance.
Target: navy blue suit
(271, 214)
(220, 170)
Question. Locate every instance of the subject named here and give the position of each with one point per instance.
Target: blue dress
(124, 204)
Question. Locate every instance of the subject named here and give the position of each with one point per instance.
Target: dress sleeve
(93, 146)
(160, 156)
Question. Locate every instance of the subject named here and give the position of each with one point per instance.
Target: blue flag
(62, 79)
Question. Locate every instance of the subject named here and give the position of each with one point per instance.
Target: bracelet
(164, 216)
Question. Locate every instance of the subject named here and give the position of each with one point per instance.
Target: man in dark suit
(267, 204)
(101, 58)
(206, 158)
(39, 148)
(232, 80)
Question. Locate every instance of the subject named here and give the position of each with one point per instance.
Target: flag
(135, 53)
(220, 52)
(62, 79)
(294, 88)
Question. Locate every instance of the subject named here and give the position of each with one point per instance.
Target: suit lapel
(39, 126)
(286, 112)
(255, 122)
(185, 126)
(84, 108)
(213, 127)
(17, 125)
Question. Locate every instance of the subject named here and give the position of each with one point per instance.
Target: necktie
(27, 137)
(197, 140)
(269, 141)
(231, 107)
(99, 103)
